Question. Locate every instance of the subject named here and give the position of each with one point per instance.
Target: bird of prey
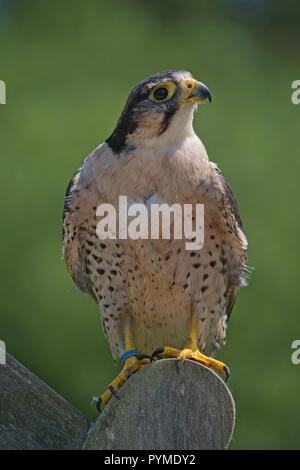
(156, 298)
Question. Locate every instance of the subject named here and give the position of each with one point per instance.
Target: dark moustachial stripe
(169, 114)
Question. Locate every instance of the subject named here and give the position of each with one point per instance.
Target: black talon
(97, 401)
(156, 352)
(113, 392)
(226, 371)
(140, 357)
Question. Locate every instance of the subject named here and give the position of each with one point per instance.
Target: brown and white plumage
(155, 156)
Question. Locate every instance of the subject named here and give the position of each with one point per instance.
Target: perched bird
(156, 298)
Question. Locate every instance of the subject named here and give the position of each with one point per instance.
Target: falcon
(156, 298)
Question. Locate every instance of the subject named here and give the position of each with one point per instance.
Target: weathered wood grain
(167, 406)
(33, 416)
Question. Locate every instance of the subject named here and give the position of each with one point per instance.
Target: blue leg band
(125, 355)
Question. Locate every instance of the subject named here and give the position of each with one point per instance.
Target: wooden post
(166, 406)
(33, 416)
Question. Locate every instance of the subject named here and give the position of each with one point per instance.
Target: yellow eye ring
(162, 92)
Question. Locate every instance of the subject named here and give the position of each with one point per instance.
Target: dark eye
(160, 93)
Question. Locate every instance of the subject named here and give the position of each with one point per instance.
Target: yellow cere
(188, 86)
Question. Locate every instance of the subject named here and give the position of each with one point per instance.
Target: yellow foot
(194, 355)
(131, 366)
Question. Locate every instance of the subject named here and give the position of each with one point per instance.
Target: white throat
(178, 133)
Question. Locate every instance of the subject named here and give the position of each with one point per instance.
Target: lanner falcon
(156, 298)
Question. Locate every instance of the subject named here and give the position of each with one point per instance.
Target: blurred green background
(69, 66)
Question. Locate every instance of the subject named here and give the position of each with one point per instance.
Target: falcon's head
(160, 107)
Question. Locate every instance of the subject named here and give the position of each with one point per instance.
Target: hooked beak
(200, 93)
